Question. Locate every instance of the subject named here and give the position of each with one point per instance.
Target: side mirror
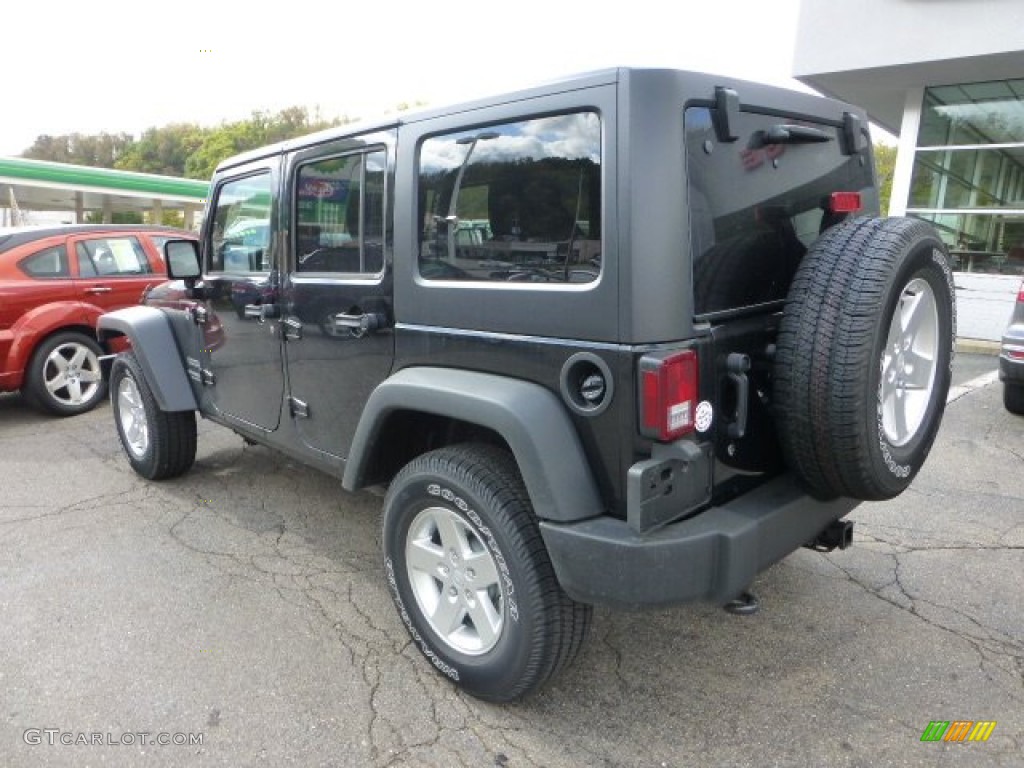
(182, 258)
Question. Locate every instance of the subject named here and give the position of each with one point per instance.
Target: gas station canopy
(36, 185)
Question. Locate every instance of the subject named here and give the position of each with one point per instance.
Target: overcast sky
(114, 66)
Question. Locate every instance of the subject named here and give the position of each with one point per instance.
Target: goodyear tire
(470, 576)
(864, 357)
(159, 444)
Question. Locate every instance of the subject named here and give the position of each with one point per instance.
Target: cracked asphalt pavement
(246, 602)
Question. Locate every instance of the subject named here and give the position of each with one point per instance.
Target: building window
(968, 176)
(982, 242)
(973, 113)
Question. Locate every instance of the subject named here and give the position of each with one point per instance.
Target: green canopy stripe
(57, 173)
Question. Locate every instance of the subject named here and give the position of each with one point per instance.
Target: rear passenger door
(337, 310)
(111, 270)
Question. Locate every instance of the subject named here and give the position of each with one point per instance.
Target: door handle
(262, 312)
(360, 324)
(291, 327)
(99, 289)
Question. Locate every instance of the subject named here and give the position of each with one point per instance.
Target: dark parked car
(677, 344)
(1011, 358)
(54, 283)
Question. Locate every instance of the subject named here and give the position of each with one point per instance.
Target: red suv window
(111, 256)
(49, 262)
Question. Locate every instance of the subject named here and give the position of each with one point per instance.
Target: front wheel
(470, 576)
(159, 444)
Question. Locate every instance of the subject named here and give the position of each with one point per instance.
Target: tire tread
(490, 473)
(172, 434)
(826, 348)
(1013, 397)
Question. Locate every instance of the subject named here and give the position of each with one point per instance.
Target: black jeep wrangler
(627, 338)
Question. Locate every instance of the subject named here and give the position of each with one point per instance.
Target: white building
(947, 76)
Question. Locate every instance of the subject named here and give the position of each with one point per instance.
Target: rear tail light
(844, 202)
(668, 394)
(1020, 293)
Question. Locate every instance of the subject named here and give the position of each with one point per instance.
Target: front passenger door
(242, 373)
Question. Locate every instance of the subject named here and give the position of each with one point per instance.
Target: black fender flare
(156, 349)
(530, 418)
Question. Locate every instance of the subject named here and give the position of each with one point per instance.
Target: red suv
(54, 283)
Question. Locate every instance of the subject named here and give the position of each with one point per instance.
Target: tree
(885, 166)
(101, 150)
(180, 149)
(260, 129)
(163, 150)
(215, 147)
(118, 217)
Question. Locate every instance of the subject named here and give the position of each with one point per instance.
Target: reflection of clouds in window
(375, 163)
(989, 112)
(1005, 119)
(506, 148)
(698, 119)
(578, 130)
(576, 136)
(238, 194)
(441, 154)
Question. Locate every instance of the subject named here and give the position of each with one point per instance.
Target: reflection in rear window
(757, 208)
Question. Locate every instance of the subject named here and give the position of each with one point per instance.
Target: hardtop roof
(637, 75)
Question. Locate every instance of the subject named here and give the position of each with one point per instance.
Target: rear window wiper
(789, 134)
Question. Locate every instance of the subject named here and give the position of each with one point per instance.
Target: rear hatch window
(756, 206)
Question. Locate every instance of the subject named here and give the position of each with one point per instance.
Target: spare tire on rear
(863, 357)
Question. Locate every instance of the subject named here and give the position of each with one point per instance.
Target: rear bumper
(712, 556)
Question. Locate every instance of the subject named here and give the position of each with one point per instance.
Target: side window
(339, 214)
(50, 262)
(111, 256)
(158, 243)
(515, 202)
(240, 239)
